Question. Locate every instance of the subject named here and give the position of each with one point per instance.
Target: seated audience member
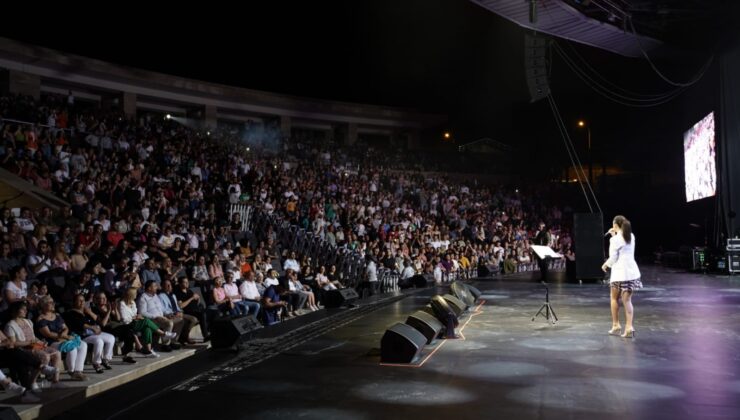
(221, 300)
(150, 306)
(172, 311)
(150, 272)
(272, 305)
(250, 293)
(16, 288)
(106, 316)
(188, 301)
(19, 331)
(232, 292)
(301, 294)
(52, 328)
(80, 320)
(22, 364)
(139, 324)
(323, 282)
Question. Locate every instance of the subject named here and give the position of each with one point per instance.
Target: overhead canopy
(17, 192)
(557, 18)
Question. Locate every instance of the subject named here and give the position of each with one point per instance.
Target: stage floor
(683, 363)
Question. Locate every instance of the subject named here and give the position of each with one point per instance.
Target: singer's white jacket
(622, 259)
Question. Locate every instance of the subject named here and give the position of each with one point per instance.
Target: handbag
(38, 345)
(70, 344)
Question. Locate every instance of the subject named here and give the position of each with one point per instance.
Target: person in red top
(114, 236)
(85, 238)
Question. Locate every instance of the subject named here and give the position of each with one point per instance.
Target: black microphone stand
(546, 309)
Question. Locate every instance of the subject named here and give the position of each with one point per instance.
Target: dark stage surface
(684, 362)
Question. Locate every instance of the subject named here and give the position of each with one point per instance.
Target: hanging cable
(606, 93)
(695, 79)
(563, 134)
(567, 139)
(614, 85)
(588, 181)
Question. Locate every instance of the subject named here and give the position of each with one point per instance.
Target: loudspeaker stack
(404, 342)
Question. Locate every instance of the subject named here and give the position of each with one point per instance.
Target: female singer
(625, 275)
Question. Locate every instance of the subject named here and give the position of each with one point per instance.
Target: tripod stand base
(547, 312)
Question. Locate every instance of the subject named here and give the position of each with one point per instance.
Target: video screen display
(700, 170)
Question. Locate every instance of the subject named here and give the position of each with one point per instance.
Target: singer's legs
(628, 310)
(615, 306)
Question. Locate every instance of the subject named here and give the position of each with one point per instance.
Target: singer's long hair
(626, 227)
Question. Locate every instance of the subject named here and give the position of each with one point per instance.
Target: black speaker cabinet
(228, 331)
(426, 324)
(457, 306)
(340, 297)
(460, 291)
(442, 310)
(589, 240)
(474, 291)
(401, 343)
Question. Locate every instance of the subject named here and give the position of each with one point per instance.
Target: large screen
(700, 170)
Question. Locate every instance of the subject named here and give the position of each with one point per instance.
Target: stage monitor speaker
(589, 240)
(460, 291)
(474, 291)
(229, 331)
(535, 66)
(340, 297)
(442, 310)
(426, 324)
(401, 343)
(457, 306)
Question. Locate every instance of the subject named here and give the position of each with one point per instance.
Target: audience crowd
(153, 241)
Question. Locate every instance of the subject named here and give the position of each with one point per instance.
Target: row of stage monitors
(403, 342)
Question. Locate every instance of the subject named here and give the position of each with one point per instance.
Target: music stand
(546, 309)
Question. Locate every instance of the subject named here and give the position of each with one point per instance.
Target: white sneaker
(29, 398)
(170, 335)
(153, 355)
(15, 389)
(49, 371)
(36, 388)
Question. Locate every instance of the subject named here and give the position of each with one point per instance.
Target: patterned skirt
(627, 285)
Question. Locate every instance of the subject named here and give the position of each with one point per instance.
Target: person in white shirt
(150, 307)
(625, 275)
(271, 279)
(250, 294)
(291, 263)
(138, 323)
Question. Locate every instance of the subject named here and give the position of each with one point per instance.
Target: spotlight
(208, 133)
(168, 116)
(446, 135)
(247, 149)
(581, 123)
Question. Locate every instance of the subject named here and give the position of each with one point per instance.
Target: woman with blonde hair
(52, 328)
(130, 316)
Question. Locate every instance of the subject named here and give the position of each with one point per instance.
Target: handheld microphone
(608, 232)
